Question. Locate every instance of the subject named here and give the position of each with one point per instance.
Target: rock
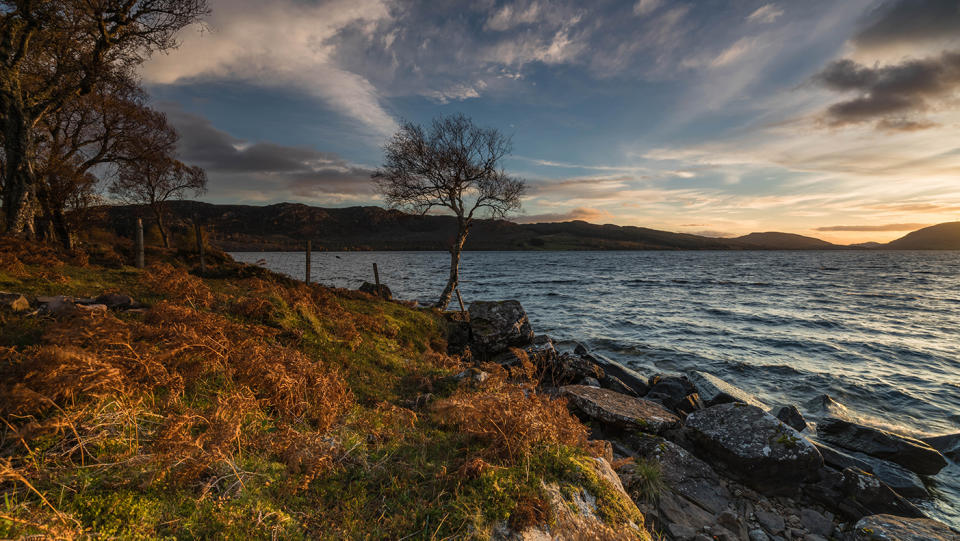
(791, 416)
(815, 522)
(495, 326)
(840, 460)
(458, 331)
(771, 522)
(825, 406)
(713, 390)
(115, 301)
(58, 306)
(682, 472)
(628, 377)
(856, 494)
(893, 528)
(757, 534)
(92, 308)
(14, 302)
(902, 480)
(754, 446)
(381, 291)
(590, 382)
(948, 444)
(618, 410)
(575, 515)
(910, 453)
(731, 522)
(673, 393)
(614, 384)
(681, 531)
(814, 537)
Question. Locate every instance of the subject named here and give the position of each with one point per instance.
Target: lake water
(877, 331)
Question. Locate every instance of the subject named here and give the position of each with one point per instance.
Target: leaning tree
(456, 166)
(52, 51)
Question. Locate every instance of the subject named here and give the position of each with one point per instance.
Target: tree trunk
(158, 214)
(454, 268)
(62, 228)
(19, 189)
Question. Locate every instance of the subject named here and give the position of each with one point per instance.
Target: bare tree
(52, 51)
(455, 166)
(156, 176)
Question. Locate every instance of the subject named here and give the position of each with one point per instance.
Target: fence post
(307, 278)
(139, 241)
(198, 231)
(376, 277)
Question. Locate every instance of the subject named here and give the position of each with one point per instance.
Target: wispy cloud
(765, 14)
(883, 227)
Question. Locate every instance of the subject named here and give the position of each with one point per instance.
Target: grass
(247, 405)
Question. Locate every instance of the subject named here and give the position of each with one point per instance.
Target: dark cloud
(910, 21)
(885, 227)
(241, 166)
(891, 94)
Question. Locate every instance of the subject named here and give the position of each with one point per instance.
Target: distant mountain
(286, 226)
(936, 237)
(785, 241)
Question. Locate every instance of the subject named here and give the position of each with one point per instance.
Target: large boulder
(948, 444)
(908, 452)
(856, 494)
(458, 331)
(713, 390)
(674, 392)
(900, 479)
(893, 528)
(618, 410)
(680, 471)
(754, 446)
(790, 415)
(498, 325)
(840, 460)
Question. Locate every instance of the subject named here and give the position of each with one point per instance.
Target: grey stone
(627, 376)
(757, 534)
(495, 326)
(619, 410)
(115, 301)
(791, 416)
(681, 531)
(713, 390)
(754, 446)
(908, 452)
(902, 480)
(590, 382)
(893, 528)
(771, 522)
(856, 494)
(825, 406)
(948, 444)
(839, 459)
(381, 290)
(815, 522)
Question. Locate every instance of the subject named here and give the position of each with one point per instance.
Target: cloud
(283, 43)
(585, 214)
(765, 14)
(644, 7)
(865, 228)
(891, 94)
(910, 22)
(510, 16)
(241, 169)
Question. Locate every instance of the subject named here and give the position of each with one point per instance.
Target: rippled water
(877, 331)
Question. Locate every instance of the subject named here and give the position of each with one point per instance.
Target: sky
(834, 119)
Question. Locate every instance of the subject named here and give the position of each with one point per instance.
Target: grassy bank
(246, 404)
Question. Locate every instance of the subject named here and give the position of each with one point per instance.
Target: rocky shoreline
(703, 459)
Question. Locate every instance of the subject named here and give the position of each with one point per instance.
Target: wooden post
(198, 232)
(459, 298)
(139, 241)
(376, 277)
(307, 279)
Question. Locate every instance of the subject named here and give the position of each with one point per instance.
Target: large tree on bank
(53, 51)
(455, 165)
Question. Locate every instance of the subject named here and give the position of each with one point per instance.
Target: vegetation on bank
(245, 404)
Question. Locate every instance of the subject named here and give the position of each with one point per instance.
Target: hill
(285, 226)
(944, 236)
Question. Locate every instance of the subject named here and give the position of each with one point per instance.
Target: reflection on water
(878, 331)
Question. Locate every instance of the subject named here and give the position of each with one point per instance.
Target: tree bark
(454, 278)
(158, 214)
(19, 189)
